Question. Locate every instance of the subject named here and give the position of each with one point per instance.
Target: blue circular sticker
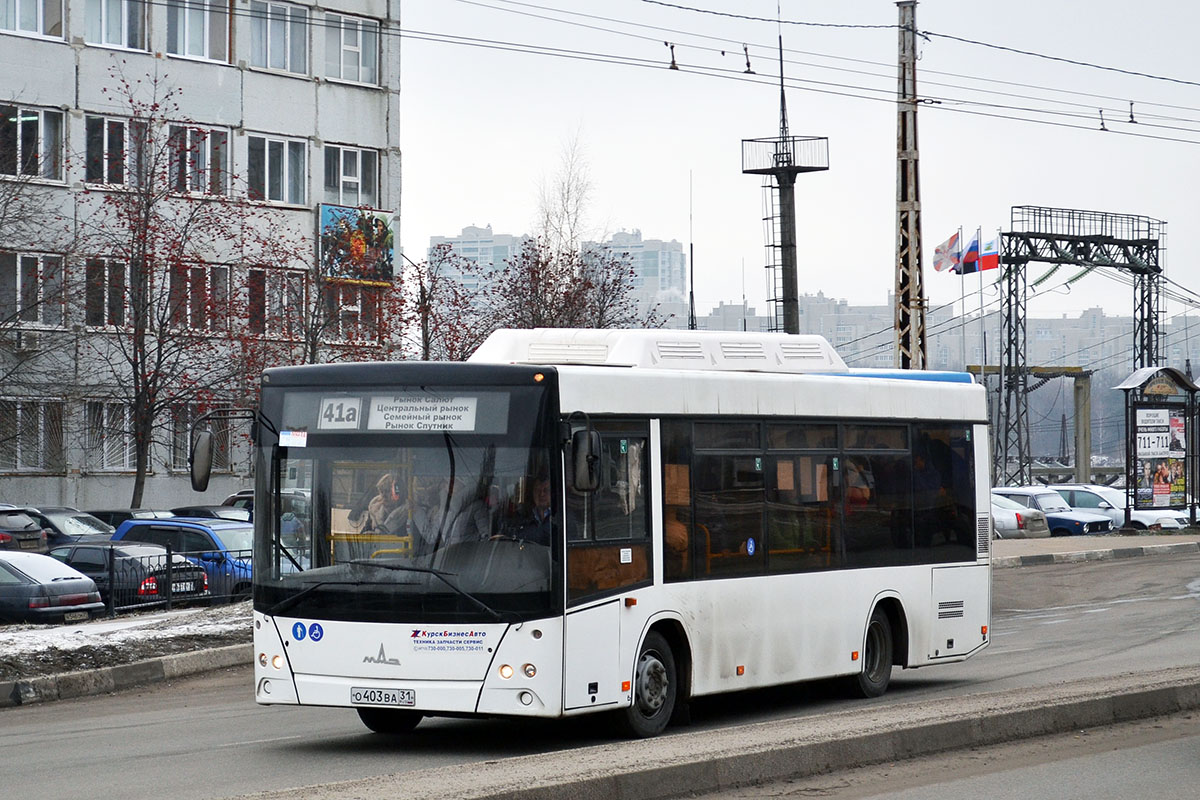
(750, 546)
(315, 632)
(298, 631)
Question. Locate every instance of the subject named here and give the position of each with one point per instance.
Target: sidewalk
(1074, 549)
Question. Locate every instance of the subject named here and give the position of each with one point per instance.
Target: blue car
(222, 547)
(1063, 520)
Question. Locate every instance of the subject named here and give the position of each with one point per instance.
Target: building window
(115, 151)
(182, 417)
(199, 160)
(198, 28)
(107, 286)
(276, 302)
(351, 176)
(31, 436)
(351, 48)
(32, 16)
(109, 435)
(31, 288)
(279, 36)
(116, 22)
(276, 170)
(353, 312)
(198, 297)
(31, 142)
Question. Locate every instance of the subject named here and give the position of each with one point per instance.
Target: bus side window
(609, 541)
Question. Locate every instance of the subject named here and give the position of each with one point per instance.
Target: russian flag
(970, 257)
(990, 257)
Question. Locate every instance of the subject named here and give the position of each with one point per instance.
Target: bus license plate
(361, 696)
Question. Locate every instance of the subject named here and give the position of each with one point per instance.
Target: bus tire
(389, 720)
(876, 658)
(655, 689)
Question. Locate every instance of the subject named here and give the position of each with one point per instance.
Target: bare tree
(544, 287)
(563, 200)
(448, 295)
(169, 244)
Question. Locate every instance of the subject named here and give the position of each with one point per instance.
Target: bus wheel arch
(655, 687)
(882, 648)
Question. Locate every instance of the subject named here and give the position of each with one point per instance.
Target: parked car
(1111, 503)
(135, 573)
(1012, 520)
(115, 516)
(222, 547)
(1063, 521)
(213, 512)
(38, 588)
(295, 516)
(19, 531)
(65, 524)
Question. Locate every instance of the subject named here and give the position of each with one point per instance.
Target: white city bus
(726, 511)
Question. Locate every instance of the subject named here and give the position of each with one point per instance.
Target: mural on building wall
(357, 244)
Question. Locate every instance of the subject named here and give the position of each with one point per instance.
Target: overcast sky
(484, 124)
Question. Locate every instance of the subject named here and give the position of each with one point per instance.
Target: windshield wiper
(482, 606)
(288, 602)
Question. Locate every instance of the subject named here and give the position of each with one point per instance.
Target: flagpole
(962, 302)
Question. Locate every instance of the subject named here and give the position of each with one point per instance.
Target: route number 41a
(339, 413)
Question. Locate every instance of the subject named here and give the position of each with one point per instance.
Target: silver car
(1110, 502)
(1011, 520)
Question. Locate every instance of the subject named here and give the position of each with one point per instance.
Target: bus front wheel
(877, 657)
(389, 720)
(655, 687)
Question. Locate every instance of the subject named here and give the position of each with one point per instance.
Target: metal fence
(170, 580)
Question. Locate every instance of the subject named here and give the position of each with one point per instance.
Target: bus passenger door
(593, 652)
(608, 556)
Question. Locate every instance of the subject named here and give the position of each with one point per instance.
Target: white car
(1011, 520)
(1111, 503)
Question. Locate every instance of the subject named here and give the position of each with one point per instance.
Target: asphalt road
(205, 738)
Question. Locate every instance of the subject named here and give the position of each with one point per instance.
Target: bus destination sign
(422, 412)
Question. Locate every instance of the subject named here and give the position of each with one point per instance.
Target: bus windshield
(416, 526)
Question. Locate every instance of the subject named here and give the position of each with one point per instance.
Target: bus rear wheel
(389, 720)
(655, 688)
(877, 657)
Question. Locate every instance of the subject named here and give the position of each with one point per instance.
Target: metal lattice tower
(779, 161)
(910, 288)
(1085, 240)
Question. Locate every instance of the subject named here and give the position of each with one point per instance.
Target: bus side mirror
(585, 458)
(200, 460)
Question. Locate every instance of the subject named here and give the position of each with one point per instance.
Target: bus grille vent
(984, 529)
(810, 351)
(743, 350)
(689, 350)
(567, 353)
(951, 609)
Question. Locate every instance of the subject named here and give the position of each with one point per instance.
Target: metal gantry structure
(1084, 241)
(779, 161)
(910, 288)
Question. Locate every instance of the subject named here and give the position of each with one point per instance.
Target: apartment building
(286, 114)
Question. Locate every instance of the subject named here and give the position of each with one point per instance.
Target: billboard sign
(357, 244)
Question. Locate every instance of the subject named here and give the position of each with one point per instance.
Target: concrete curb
(124, 676)
(1000, 562)
(713, 761)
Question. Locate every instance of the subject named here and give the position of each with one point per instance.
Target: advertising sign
(1161, 449)
(357, 244)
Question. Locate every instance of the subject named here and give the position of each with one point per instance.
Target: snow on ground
(28, 651)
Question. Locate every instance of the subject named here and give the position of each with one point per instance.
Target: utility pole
(910, 288)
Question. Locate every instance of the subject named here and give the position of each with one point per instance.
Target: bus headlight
(262, 659)
(530, 670)
(277, 662)
(506, 671)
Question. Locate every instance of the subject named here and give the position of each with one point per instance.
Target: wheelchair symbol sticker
(315, 632)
